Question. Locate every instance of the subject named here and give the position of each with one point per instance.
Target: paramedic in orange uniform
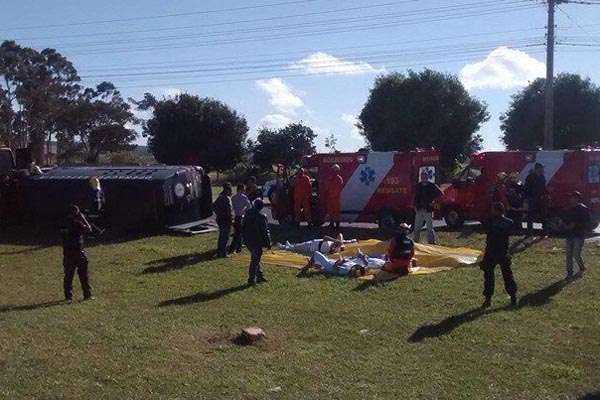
(302, 192)
(400, 252)
(335, 184)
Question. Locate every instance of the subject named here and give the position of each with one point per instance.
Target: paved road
(436, 224)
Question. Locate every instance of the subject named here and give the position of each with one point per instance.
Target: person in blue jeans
(257, 236)
(578, 223)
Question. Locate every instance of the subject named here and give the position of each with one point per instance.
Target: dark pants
(255, 272)
(224, 232)
(236, 242)
(535, 212)
(488, 266)
(517, 218)
(76, 261)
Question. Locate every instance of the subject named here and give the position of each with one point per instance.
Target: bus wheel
(388, 221)
(454, 218)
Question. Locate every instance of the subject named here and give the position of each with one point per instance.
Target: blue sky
(277, 61)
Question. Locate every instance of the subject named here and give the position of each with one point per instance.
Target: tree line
(41, 98)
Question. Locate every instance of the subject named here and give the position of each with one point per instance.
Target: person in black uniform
(74, 258)
(223, 209)
(535, 195)
(256, 234)
(498, 230)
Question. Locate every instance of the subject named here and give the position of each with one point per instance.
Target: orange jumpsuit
(399, 255)
(302, 191)
(335, 184)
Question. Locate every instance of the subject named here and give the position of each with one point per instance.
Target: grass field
(166, 312)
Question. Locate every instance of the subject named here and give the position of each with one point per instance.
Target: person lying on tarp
(401, 251)
(351, 266)
(327, 245)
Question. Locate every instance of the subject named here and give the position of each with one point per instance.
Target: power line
(445, 60)
(185, 14)
(228, 23)
(260, 57)
(351, 29)
(577, 24)
(362, 57)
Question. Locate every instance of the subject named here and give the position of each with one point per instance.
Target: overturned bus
(136, 197)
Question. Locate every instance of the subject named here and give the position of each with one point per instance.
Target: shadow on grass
(29, 307)
(535, 299)
(590, 396)
(523, 244)
(203, 296)
(178, 262)
(544, 295)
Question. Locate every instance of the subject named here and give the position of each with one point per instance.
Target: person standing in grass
(74, 258)
(222, 209)
(240, 204)
(257, 236)
(498, 230)
(425, 194)
(578, 223)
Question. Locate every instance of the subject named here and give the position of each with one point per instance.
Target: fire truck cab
(378, 186)
(469, 195)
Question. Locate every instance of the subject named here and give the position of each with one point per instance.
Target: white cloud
(172, 92)
(323, 63)
(351, 120)
(503, 68)
(274, 121)
(282, 97)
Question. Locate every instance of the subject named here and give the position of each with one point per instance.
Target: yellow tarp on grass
(430, 258)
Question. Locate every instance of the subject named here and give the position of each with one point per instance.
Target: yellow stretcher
(429, 258)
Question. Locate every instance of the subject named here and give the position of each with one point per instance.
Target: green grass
(166, 313)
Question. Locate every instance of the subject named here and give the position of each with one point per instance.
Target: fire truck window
(470, 174)
(594, 173)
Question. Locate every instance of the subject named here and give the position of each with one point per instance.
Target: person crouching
(400, 252)
(74, 258)
(256, 235)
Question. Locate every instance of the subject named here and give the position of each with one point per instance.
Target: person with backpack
(257, 236)
(578, 224)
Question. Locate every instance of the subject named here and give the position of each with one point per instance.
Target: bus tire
(454, 218)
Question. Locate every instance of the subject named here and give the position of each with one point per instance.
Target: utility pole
(549, 90)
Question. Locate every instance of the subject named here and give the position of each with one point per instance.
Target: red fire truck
(378, 186)
(468, 197)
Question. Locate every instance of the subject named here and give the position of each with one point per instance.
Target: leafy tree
(192, 130)
(422, 110)
(98, 121)
(286, 146)
(33, 87)
(331, 143)
(576, 114)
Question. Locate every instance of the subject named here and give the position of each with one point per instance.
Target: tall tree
(576, 114)
(98, 121)
(33, 86)
(286, 146)
(421, 110)
(192, 130)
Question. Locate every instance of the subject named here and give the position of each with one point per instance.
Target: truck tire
(454, 218)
